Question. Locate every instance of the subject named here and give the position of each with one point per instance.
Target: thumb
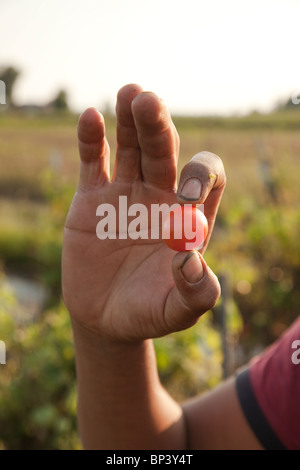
(196, 291)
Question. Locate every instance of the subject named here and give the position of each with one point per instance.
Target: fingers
(93, 150)
(195, 292)
(158, 140)
(147, 141)
(202, 181)
(128, 154)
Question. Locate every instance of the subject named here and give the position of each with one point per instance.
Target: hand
(136, 289)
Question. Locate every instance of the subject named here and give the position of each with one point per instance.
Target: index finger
(202, 181)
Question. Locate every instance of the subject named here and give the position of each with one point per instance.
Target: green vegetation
(255, 247)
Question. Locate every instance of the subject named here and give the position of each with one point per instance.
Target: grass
(40, 164)
(29, 146)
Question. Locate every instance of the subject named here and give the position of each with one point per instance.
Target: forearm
(121, 403)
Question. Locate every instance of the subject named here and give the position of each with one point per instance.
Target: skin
(122, 293)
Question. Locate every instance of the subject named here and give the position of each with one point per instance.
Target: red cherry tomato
(184, 228)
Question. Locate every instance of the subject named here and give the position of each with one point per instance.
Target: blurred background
(229, 73)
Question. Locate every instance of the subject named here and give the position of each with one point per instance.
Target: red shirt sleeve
(275, 379)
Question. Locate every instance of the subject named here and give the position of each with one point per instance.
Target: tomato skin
(181, 224)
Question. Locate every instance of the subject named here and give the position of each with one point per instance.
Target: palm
(121, 285)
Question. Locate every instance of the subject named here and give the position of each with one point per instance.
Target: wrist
(97, 353)
(96, 341)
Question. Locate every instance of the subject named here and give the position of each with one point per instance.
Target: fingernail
(192, 268)
(191, 190)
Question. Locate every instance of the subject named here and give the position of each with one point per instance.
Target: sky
(201, 57)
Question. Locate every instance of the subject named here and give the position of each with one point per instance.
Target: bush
(38, 387)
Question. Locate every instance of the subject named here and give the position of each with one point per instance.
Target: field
(255, 250)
